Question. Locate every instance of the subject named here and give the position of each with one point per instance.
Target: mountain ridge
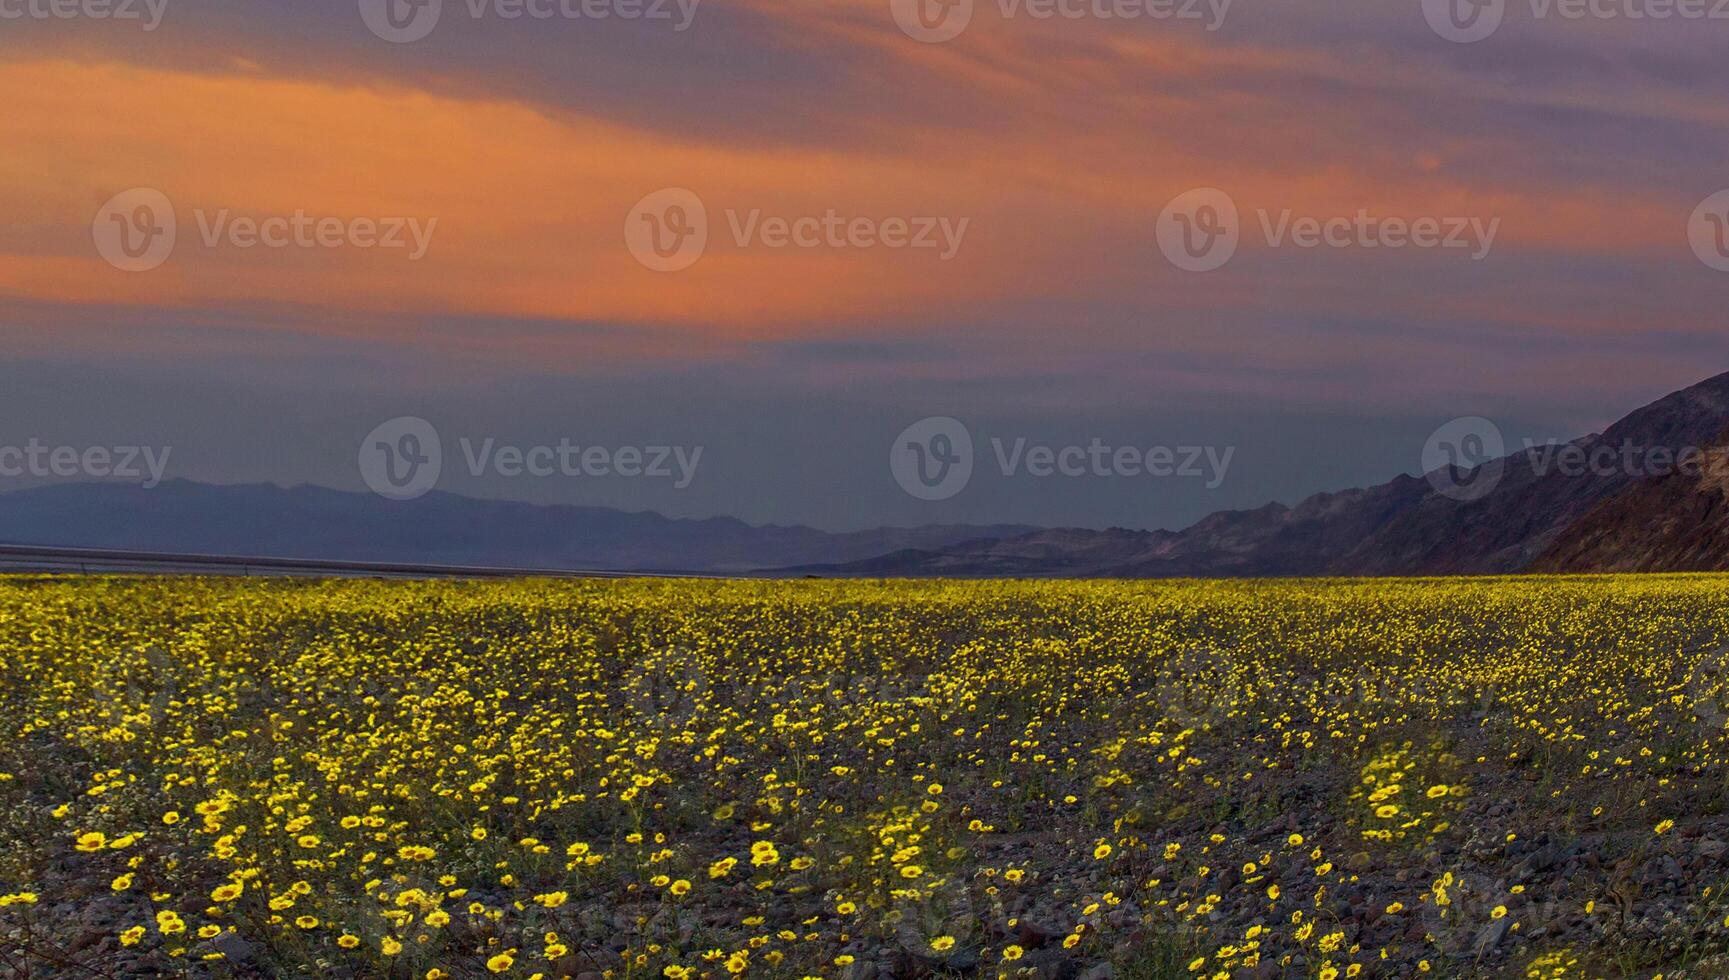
(312, 522)
(1536, 517)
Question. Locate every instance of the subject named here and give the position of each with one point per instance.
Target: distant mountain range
(1614, 501)
(259, 520)
(1526, 512)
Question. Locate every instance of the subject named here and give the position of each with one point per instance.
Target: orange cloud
(530, 211)
(1069, 141)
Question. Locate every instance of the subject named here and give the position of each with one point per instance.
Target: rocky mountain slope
(1609, 501)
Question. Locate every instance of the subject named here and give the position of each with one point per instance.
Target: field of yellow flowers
(864, 780)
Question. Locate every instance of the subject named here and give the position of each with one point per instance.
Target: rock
(1492, 934)
(1050, 964)
(1544, 857)
(1104, 971)
(860, 970)
(1713, 849)
(231, 945)
(960, 960)
(1032, 935)
(964, 961)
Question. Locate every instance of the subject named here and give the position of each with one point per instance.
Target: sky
(1300, 236)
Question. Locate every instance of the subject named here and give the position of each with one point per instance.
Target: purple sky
(1563, 162)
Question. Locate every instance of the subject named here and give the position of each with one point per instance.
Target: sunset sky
(1588, 143)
